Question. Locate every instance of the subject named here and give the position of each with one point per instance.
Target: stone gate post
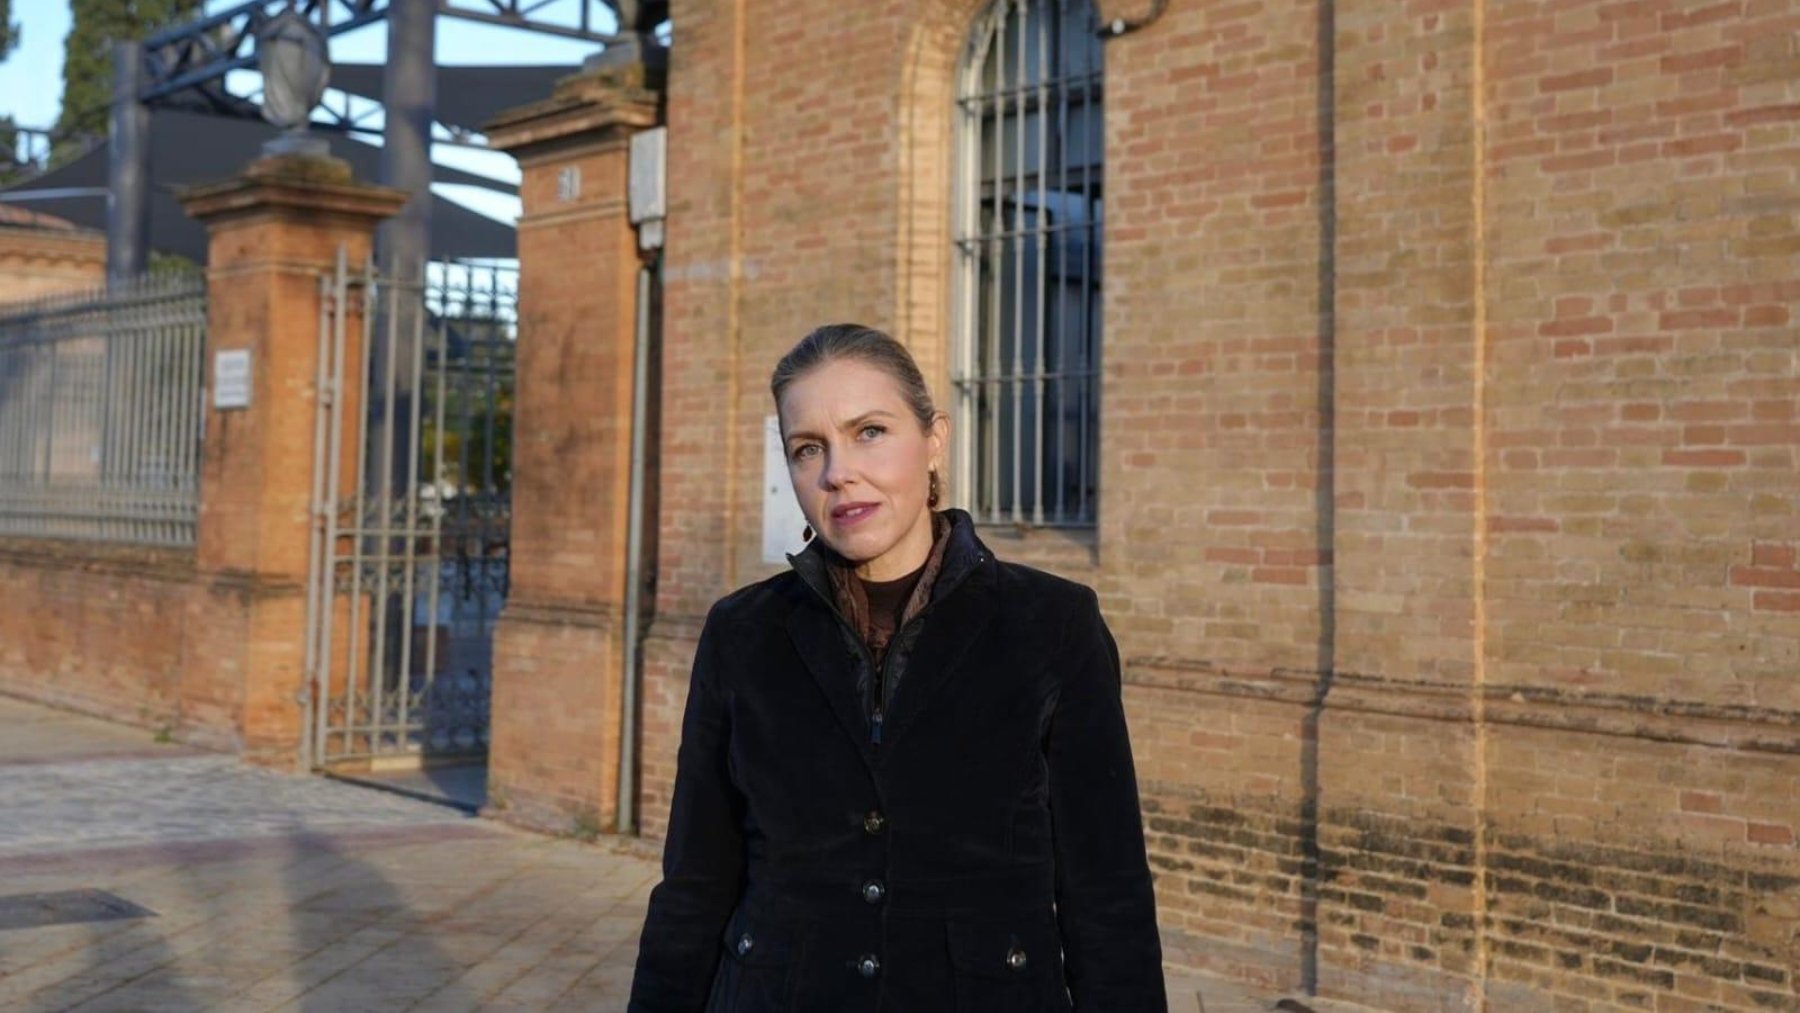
(273, 231)
(553, 760)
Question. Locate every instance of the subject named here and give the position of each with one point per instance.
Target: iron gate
(412, 487)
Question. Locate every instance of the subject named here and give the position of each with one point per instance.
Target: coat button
(872, 891)
(1015, 958)
(868, 965)
(744, 943)
(874, 821)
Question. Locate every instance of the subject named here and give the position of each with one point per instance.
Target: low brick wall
(96, 628)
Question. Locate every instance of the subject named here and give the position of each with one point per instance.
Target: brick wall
(1449, 479)
(554, 754)
(41, 255)
(115, 645)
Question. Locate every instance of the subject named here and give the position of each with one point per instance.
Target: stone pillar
(554, 752)
(274, 230)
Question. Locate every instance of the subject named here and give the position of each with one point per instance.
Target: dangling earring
(807, 535)
(932, 500)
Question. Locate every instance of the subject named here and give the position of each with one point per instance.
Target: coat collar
(829, 647)
(963, 552)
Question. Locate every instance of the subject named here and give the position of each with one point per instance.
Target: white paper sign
(782, 520)
(231, 379)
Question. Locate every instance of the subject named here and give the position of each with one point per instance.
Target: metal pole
(128, 169)
(403, 242)
(634, 545)
(409, 98)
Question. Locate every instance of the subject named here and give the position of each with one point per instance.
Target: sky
(31, 77)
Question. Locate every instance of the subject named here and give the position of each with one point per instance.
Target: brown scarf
(853, 599)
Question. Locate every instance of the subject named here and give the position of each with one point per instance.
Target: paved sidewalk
(267, 891)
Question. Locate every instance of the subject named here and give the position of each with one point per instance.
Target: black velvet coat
(978, 849)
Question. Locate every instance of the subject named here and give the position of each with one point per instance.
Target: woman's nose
(837, 471)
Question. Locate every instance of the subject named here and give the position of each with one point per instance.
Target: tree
(9, 29)
(88, 58)
(9, 139)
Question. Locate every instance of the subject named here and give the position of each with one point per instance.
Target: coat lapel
(946, 632)
(831, 660)
(962, 604)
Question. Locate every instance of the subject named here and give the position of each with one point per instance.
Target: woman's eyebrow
(852, 424)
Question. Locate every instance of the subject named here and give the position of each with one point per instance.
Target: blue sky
(31, 77)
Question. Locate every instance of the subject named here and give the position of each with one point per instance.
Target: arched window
(1027, 255)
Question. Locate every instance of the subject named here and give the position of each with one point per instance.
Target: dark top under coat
(887, 600)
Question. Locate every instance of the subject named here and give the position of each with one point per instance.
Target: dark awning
(188, 148)
(467, 97)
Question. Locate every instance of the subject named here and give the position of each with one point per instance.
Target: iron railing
(410, 537)
(100, 413)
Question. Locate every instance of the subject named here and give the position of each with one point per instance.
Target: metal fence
(100, 413)
(410, 541)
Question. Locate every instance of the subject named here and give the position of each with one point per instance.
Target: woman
(904, 781)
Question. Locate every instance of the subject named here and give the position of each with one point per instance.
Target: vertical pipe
(128, 168)
(634, 547)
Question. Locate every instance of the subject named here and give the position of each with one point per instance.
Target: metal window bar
(100, 413)
(1026, 243)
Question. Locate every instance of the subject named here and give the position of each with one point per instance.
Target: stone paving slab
(288, 892)
(143, 800)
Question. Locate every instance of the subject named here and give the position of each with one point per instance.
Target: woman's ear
(938, 434)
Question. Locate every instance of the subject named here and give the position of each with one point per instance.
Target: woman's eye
(800, 451)
(879, 429)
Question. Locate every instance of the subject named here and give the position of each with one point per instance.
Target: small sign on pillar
(231, 379)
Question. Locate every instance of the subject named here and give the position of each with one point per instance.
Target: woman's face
(861, 466)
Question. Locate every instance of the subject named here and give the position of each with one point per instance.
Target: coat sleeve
(703, 852)
(1105, 907)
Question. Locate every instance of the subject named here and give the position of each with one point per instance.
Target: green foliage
(166, 264)
(9, 135)
(478, 428)
(9, 29)
(88, 58)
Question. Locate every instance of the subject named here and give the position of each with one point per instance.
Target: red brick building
(1446, 493)
(1417, 383)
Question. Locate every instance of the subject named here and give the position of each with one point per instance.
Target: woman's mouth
(852, 514)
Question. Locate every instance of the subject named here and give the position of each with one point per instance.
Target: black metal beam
(206, 49)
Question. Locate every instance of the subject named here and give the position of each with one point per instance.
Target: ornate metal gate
(412, 487)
